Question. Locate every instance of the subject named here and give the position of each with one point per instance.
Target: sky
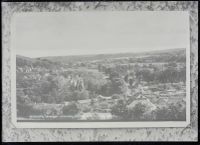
(38, 34)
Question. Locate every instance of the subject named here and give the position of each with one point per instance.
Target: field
(148, 86)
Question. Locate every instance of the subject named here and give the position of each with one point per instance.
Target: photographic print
(100, 69)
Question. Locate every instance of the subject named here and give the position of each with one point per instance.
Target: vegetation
(103, 84)
(71, 109)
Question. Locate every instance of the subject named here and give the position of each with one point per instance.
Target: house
(145, 102)
(84, 101)
(100, 97)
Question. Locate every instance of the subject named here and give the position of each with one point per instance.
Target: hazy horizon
(89, 33)
(101, 53)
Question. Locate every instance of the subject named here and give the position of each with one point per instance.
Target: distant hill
(83, 58)
(27, 61)
(25, 58)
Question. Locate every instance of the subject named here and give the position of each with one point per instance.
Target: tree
(113, 75)
(100, 68)
(169, 75)
(23, 104)
(22, 98)
(106, 89)
(126, 78)
(120, 110)
(172, 112)
(131, 82)
(147, 75)
(136, 113)
(80, 95)
(182, 74)
(118, 85)
(70, 109)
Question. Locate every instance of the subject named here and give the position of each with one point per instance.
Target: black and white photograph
(100, 69)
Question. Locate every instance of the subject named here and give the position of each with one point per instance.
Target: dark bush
(172, 112)
(24, 110)
(80, 95)
(136, 113)
(70, 109)
(120, 110)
